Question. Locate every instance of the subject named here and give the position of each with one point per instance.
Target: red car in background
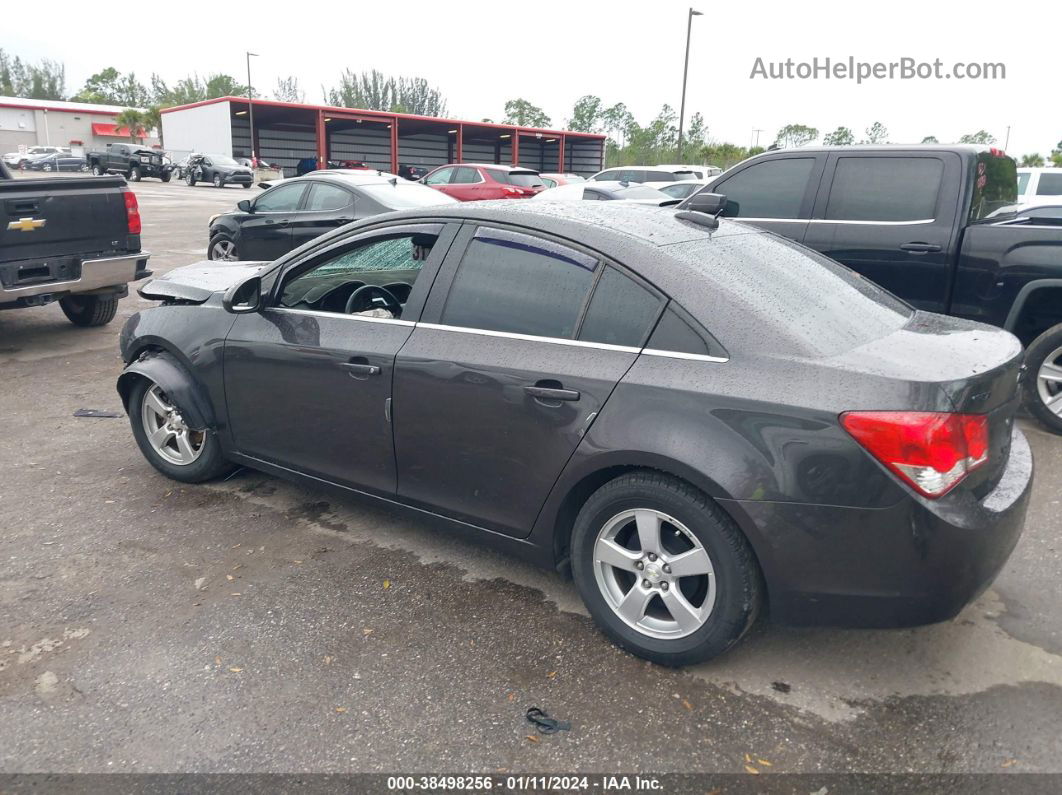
(474, 181)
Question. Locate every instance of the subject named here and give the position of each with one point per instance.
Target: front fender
(163, 369)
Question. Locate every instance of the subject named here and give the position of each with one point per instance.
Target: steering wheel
(373, 291)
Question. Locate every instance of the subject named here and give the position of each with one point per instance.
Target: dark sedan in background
(58, 162)
(295, 211)
(698, 418)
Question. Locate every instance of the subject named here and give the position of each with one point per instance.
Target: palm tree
(135, 121)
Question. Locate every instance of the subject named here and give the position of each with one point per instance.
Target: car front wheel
(217, 181)
(1043, 378)
(223, 247)
(169, 445)
(96, 170)
(663, 570)
(134, 174)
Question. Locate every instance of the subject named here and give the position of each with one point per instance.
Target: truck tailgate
(73, 216)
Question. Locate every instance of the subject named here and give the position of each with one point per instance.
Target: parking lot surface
(252, 625)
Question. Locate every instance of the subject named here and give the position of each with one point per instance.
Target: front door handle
(919, 247)
(359, 368)
(551, 393)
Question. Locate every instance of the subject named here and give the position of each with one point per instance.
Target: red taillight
(931, 451)
(132, 212)
(510, 191)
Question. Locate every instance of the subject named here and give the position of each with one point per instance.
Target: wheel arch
(163, 368)
(557, 518)
(1027, 301)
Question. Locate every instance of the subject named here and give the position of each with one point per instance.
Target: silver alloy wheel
(1049, 381)
(665, 588)
(166, 430)
(217, 180)
(224, 250)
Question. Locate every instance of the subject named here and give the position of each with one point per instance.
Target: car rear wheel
(217, 181)
(169, 445)
(663, 570)
(223, 247)
(89, 310)
(247, 184)
(1043, 378)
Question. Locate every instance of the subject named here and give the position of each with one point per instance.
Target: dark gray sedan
(698, 419)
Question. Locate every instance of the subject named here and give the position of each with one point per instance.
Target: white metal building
(44, 122)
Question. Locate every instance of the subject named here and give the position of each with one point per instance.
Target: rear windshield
(781, 297)
(995, 184)
(638, 192)
(522, 179)
(403, 195)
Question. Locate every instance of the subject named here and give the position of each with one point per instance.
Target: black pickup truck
(935, 225)
(69, 239)
(131, 161)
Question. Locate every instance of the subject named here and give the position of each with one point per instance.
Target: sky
(481, 54)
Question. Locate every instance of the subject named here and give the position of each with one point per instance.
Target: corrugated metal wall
(424, 149)
(369, 144)
(583, 157)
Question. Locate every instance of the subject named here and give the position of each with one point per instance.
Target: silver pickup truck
(75, 240)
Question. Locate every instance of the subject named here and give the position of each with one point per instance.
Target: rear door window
(324, 197)
(465, 176)
(771, 189)
(621, 311)
(885, 189)
(517, 283)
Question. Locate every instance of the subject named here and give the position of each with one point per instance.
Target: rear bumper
(917, 562)
(94, 274)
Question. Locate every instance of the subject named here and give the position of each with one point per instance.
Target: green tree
(1032, 161)
(586, 115)
(696, 136)
(795, 135)
(877, 133)
(842, 136)
(287, 90)
(110, 87)
(617, 121)
(135, 120)
(43, 80)
(524, 114)
(374, 90)
(979, 137)
(930, 139)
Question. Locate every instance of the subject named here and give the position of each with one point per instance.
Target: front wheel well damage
(161, 367)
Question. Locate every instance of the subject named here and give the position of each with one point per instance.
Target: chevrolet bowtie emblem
(25, 224)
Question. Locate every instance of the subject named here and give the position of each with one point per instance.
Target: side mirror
(244, 297)
(708, 203)
(244, 205)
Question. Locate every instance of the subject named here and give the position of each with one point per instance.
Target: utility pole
(1006, 143)
(755, 139)
(250, 104)
(685, 72)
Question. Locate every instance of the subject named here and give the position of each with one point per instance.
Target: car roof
(350, 176)
(498, 166)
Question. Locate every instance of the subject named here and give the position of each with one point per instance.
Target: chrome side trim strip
(363, 319)
(693, 357)
(831, 221)
(530, 338)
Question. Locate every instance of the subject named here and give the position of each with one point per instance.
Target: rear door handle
(920, 248)
(551, 393)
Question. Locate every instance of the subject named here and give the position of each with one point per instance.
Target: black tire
(190, 179)
(247, 185)
(218, 182)
(221, 238)
(97, 171)
(210, 464)
(739, 585)
(1044, 347)
(89, 310)
(134, 174)
(165, 177)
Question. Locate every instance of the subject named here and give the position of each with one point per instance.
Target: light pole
(685, 71)
(250, 104)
